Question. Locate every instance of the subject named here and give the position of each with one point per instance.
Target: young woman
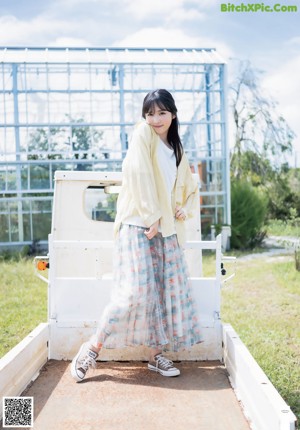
(152, 303)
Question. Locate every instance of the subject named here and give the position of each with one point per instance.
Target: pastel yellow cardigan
(143, 192)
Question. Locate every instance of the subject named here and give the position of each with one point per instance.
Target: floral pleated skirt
(152, 302)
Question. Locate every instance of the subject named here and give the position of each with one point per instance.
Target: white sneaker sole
(175, 372)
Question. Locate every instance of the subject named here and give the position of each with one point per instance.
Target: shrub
(248, 211)
(284, 195)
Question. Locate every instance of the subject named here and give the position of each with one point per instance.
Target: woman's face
(160, 120)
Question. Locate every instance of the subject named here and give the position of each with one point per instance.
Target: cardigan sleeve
(190, 203)
(139, 176)
(187, 189)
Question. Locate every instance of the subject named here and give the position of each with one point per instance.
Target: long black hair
(164, 100)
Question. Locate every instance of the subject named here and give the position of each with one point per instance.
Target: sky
(269, 40)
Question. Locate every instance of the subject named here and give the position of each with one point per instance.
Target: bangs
(149, 105)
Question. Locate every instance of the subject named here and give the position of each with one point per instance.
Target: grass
(262, 303)
(23, 302)
(279, 227)
(263, 306)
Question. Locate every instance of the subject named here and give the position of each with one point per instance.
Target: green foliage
(281, 227)
(284, 194)
(253, 168)
(106, 211)
(40, 220)
(58, 143)
(23, 302)
(280, 185)
(84, 138)
(263, 306)
(10, 255)
(21, 254)
(297, 259)
(248, 212)
(112, 206)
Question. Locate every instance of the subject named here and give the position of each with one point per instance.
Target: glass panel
(41, 225)
(58, 78)
(14, 230)
(79, 78)
(80, 108)
(4, 225)
(9, 108)
(104, 93)
(11, 178)
(27, 227)
(98, 205)
(33, 108)
(39, 177)
(6, 81)
(59, 107)
(36, 77)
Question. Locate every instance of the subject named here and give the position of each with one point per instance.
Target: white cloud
(294, 41)
(69, 42)
(73, 3)
(37, 31)
(176, 38)
(164, 9)
(284, 86)
(180, 15)
(145, 9)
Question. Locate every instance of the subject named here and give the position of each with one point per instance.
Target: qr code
(17, 411)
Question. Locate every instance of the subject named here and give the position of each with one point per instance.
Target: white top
(167, 163)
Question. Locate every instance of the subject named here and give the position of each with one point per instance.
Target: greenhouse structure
(74, 109)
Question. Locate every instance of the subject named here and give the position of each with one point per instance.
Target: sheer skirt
(151, 301)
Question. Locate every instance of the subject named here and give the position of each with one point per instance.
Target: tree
(50, 149)
(84, 139)
(42, 149)
(284, 194)
(253, 167)
(61, 143)
(259, 128)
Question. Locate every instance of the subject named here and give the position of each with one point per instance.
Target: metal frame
(64, 91)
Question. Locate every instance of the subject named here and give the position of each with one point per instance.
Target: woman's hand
(152, 231)
(180, 213)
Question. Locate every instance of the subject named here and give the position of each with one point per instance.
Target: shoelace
(164, 362)
(87, 362)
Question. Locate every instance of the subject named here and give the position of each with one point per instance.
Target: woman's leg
(97, 348)
(153, 353)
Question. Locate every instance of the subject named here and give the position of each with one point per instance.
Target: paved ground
(126, 396)
(275, 246)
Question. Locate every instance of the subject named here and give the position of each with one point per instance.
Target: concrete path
(127, 396)
(275, 246)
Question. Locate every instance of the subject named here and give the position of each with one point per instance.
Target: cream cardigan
(143, 190)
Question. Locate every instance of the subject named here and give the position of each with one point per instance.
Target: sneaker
(163, 365)
(84, 359)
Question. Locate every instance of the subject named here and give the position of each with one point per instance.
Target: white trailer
(79, 284)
